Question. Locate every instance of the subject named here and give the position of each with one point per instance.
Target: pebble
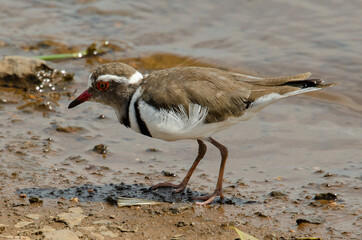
(178, 237)
(325, 196)
(178, 208)
(23, 195)
(180, 224)
(61, 235)
(152, 150)
(100, 149)
(103, 222)
(277, 194)
(97, 236)
(2, 227)
(33, 216)
(74, 200)
(72, 218)
(35, 200)
(22, 224)
(328, 174)
(47, 229)
(70, 129)
(16, 237)
(88, 229)
(109, 234)
(316, 220)
(168, 174)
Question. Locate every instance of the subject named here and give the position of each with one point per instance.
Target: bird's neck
(122, 107)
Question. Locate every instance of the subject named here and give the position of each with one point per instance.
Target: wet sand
(300, 147)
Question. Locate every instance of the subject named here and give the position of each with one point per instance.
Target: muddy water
(301, 146)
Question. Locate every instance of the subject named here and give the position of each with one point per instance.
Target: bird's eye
(102, 85)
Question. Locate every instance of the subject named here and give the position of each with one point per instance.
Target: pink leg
(180, 187)
(218, 190)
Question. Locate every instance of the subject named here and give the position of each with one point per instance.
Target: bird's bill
(80, 99)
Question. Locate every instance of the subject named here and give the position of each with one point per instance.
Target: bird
(188, 103)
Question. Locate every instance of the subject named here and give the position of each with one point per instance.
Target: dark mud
(110, 192)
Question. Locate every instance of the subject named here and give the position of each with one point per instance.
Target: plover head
(109, 84)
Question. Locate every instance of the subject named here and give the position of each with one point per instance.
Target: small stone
(168, 174)
(74, 200)
(88, 229)
(328, 174)
(100, 149)
(16, 237)
(35, 200)
(61, 235)
(22, 224)
(180, 224)
(325, 196)
(23, 195)
(124, 229)
(33, 216)
(73, 218)
(97, 236)
(178, 237)
(277, 194)
(47, 229)
(102, 228)
(2, 227)
(317, 220)
(103, 222)
(260, 214)
(180, 208)
(69, 129)
(152, 150)
(109, 234)
(76, 210)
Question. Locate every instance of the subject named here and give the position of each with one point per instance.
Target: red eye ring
(102, 86)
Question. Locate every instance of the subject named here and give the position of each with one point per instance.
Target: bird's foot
(209, 198)
(177, 187)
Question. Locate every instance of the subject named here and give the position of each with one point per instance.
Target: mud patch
(110, 192)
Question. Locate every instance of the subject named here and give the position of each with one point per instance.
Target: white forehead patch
(136, 77)
(89, 81)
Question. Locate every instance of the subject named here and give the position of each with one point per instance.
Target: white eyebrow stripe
(109, 77)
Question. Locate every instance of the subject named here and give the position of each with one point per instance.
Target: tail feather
(265, 91)
(277, 81)
(319, 83)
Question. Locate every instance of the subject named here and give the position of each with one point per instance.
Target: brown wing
(225, 94)
(211, 88)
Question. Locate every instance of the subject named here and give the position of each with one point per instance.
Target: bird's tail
(265, 91)
(284, 86)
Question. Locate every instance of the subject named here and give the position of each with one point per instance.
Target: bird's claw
(209, 198)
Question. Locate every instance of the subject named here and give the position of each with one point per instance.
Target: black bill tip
(80, 99)
(74, 103)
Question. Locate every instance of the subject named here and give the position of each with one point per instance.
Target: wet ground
(279, 161)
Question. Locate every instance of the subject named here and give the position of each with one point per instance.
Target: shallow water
(281, 148)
